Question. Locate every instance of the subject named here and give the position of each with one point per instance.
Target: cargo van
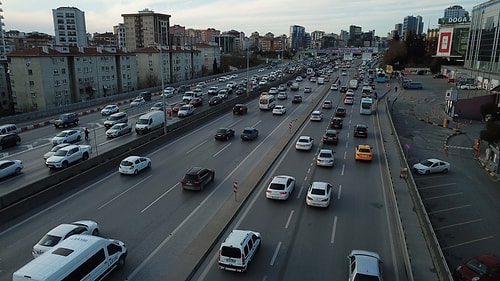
(8, 128)
(150, 121)
(79, 257)
(321, 80)
(353, 84)
(238, 250)
(266, 102)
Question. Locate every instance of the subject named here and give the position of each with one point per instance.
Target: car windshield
(247, 132)
(316, 191)
(62, 134)
(426, 163)
(221, 131)
(60, 152)
(304, 140)
(116, 127)
(143, 121)
(363, 277)
(325, 155)
(49, 240)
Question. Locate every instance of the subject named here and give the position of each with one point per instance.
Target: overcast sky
(275, 16)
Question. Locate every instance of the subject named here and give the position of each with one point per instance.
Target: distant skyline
(246, 16)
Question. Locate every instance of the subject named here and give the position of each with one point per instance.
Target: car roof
(364, 146)
(316, 112)
(131, 158)
(62, 229)
(330, 131)
(194, 170)
(326, 151)
(281, 179)
(319, 185)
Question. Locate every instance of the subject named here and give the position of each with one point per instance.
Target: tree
(491, 134)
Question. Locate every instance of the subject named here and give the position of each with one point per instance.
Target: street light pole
(164, 107)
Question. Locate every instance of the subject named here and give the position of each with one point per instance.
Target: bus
(366, 106)
(381, 77)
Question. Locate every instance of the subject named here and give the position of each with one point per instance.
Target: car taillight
(218, 255)
(268, 190)
(242, 258)
(324, 200)
(283, 192)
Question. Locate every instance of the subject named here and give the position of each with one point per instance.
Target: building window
(56, 72)
(30, 72)
(31, 83)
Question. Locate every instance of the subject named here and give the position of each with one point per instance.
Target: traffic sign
(235, 187)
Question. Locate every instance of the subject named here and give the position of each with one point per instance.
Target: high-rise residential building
(69, 27)
(297, 37)
(145, 29)
(119, 31)
(455, 11)
(398, 28)
(355, 36)
(412, 25)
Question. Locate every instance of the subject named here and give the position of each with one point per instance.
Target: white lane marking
(334, 230)
(192, 149)
(159, 197)
(289, 219)
(276, 251)
(222, 149)
(123, 192)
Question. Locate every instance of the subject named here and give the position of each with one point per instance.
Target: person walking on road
(86, 134)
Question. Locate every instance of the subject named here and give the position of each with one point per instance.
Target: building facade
(297, 37)
(145, 29)
(412, 25)
(69, 27)
(455, 11)
(43, 78)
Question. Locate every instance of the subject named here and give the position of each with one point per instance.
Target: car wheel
(79, 138)
(445, 171)
(227, 137)
(76, 122)
(64, 164)
(18, 171)
(427, 172)
(149, 165)
(85, 156)
(95, 232)
(135, 172)
(121, 262)
(1, 147)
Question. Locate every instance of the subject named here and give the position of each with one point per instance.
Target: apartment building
(43, 77)
(69, 26)
(145, 29)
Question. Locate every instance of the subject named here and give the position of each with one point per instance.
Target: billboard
(444, 42)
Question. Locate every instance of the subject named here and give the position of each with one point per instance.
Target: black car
(215, 100)
(440, 75)
(343, 89)
(197, 178)
(240, 91)
(224, 134)
(10, 139)
(289, 83)
(336, 123)
(240, 109)
(361, 130)
(340, 112)
(66, 120)
(297, 99)
(331, 137)
(249, 133)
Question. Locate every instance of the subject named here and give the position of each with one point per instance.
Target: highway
(306, 243)
(150, 212)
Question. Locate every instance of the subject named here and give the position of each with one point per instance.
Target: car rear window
(365, 150)
(249, 132)
(191, 177)
(277, 186)
(325, 154)
(230, 252)
(317, 191)
(49, 240)
(126, 163)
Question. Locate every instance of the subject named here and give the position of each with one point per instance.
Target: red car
(480, 268)
(340, 112)
(196, 102)
(177, 106)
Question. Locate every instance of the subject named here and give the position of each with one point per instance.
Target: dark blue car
(249, 133)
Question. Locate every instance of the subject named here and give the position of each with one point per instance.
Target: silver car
(429, 166)
(118, 130)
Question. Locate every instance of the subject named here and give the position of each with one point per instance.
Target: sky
(262, 16)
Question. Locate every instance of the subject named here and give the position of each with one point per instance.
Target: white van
(353, 84)
(238, 250)
(79, 257)
(8, 128)
(150, 121)
(266, 102)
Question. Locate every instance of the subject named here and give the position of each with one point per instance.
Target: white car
(213, 90)
(137, 102)
(157, 106)
(334, 87)
(365, 265)
(431, 166)
(326, 157)
(304, 143)
(280, 187)
(10, 167)
(54, 150)
(118, 130)
(319, 194)
(110, 109)
(298, 79)
(168, 92)
(132, 165)
(67, 136)
(349, 100)
(279, 110)
(468, 87)
(316, 115)
(273, 91)
(186, 110)
(63, 231)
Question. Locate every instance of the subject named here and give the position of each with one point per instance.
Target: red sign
(444, 42)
